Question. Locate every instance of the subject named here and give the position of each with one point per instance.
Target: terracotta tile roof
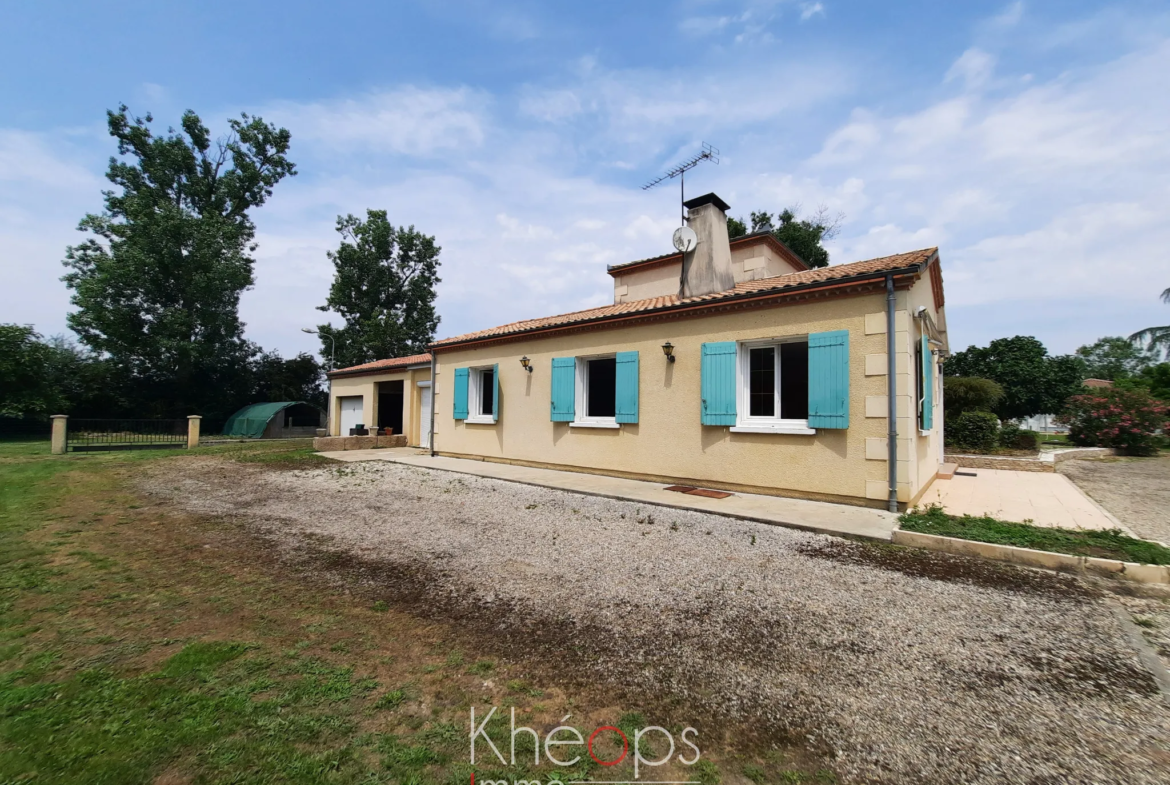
(762, 286)
(393, 364)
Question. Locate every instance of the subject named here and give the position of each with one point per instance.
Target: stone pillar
(59, 430)
(193, 431)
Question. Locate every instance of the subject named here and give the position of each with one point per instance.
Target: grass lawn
(142, 645)
(1109, 544)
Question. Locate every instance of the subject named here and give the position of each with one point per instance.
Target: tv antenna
(709, 154)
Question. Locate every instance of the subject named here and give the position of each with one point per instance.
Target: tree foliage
(968, 394)
(157, 286)
(1033, 381)
(384, 288)
(1115, 358)
(1156, 339)
(26, 389)
(805, 237)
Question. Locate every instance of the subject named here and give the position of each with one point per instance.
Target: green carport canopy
(250, 422)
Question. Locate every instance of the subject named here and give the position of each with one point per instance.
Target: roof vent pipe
(891, 396)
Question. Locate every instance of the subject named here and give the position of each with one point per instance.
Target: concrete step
(947, 471)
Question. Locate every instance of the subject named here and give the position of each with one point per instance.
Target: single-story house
(731, 366)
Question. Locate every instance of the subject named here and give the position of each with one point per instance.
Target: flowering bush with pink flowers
(1126, 419)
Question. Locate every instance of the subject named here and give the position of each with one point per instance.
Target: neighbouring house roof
(251, 421)
(381, 366)
(913, 262)
(1098, 383)
(765, 238)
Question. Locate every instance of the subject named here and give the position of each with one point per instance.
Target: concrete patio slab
(1042, 498)
(837, 519)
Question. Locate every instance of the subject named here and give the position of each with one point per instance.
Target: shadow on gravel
(960, 569)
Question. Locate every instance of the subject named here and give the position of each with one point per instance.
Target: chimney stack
(707, 269)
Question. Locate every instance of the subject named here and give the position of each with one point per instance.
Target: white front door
(351, 413)
(424, 426)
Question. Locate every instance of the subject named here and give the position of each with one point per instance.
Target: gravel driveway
(1135, 490)
(899, 665)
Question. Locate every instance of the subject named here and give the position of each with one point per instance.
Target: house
(731, 366)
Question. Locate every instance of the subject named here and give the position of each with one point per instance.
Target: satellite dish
(685, 239)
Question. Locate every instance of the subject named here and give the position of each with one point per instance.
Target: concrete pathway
(1044, 498)
(837, 519)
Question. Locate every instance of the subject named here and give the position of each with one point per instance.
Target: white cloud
(974, 67)
(407, 120)
(809, 10)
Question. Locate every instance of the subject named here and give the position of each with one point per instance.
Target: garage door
(351, 413)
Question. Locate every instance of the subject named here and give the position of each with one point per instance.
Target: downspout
(892, 397)
(431, 440)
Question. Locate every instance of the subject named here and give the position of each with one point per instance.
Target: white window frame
(475, 396)
(581, 406)
(744, 422)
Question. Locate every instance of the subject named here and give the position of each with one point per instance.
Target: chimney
(707, 269)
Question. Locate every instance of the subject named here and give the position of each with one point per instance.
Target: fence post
(59, 430)
(193, 431)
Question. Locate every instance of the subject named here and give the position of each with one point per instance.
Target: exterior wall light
(524, 361)
(668, 350)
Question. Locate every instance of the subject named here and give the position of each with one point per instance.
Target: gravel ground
(1136, 490)
(898, 665)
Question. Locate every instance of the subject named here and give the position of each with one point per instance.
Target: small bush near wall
(1128, 420)
(970, 394)
(1013, 437)
(978, 431)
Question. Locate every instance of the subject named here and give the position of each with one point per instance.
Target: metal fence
(104, 435)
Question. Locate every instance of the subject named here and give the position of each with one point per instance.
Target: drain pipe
(431, 441)
(892, 396)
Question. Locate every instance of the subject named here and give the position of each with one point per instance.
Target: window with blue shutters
(772, 386)
(460, 396)
(925, 378)
(483, 395)
(564, 383)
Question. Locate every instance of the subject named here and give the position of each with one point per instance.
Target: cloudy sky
(1030, 141)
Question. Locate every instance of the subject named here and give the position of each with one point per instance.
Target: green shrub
(1128, 420)
(1014, 437)
(970, 394)
(978, 431)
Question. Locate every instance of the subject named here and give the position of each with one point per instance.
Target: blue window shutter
(627, 387)
(461, 393)
(828, 379)
(718, 383)
(496, 392)
(927, 386)
(564, 383)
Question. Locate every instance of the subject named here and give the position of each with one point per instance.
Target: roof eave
(697, 306)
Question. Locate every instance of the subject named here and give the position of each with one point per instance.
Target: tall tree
(296, 379)
(1115, 358)
(157, 287)
(384, 288)
(26, 386)
(1156, 339)
(1033, 381)
(805, 237)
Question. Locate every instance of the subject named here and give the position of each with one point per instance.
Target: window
(481, 395)
(597, 391)
(773, 386)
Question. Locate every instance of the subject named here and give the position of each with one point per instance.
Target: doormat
(706, 493)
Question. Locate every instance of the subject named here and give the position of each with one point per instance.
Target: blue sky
(1030, 141)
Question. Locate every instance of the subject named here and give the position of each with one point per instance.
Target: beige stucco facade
(669, 443)
(366, 386)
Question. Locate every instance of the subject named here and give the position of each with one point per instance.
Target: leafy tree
(384, 288)
(1156, 339)
(966, 394)
(26, 389)
(157, 286)
(295, 379)
(1033, 381)
(803, 236)
(1114, 358)
(1154, 379)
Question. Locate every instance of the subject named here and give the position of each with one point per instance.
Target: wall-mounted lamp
(524, 361)
(668, 350)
